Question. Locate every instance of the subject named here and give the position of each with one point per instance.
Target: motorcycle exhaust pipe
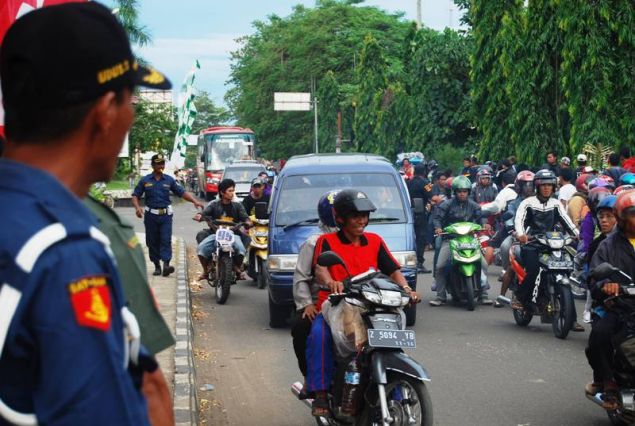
(503, 299)
(296, 388)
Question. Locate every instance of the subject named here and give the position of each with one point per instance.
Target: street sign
(291, 101)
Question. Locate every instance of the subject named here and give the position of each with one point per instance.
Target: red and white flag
(10, 10)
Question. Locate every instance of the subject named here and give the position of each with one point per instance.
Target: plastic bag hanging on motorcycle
(347, 326)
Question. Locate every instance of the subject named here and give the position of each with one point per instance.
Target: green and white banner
(186, 116)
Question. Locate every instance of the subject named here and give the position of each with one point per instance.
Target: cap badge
(154, 77)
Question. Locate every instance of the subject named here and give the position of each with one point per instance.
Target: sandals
(320, 406)
(593, 388)
(577, 327)
(611, 401)
(517, 305)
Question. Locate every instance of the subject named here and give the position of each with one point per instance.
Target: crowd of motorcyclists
(512, 204)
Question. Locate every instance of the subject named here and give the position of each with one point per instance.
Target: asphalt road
(485, 370)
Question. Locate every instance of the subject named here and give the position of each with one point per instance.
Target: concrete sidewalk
(173, 298)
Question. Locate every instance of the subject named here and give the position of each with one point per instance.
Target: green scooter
(464, 281)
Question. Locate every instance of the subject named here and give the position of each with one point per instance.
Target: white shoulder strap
(10, 299)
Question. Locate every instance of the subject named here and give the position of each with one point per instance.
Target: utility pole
(418, 14)
(315, 113)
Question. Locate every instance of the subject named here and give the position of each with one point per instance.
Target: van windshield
(299, 196)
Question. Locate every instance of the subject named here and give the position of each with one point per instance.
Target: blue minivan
(297, 189)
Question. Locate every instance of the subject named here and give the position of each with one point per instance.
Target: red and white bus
(219, 147)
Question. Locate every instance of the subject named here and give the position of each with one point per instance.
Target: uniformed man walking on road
(67, 339)
(158, 212)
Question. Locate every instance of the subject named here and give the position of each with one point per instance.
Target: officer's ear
(104, 113)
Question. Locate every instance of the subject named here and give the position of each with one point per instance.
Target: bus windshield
(223, 149)
(299, 196)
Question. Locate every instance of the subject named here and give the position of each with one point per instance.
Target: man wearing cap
(157, 215)
(69, 347)
(257, 195)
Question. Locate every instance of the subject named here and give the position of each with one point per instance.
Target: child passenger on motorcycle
(618, 249)
(305, 287)
(227, 210)
(360, 251)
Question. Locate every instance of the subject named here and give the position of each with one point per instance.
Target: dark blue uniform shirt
(63, 358)
(157, 191)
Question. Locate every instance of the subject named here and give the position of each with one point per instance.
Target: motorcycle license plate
(560, 264)
(223, 235)
(261, 234)
(391, 338)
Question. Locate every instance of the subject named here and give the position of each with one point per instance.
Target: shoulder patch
(90, 297)
(428, 187)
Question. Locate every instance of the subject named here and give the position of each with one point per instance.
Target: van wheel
(278, 314)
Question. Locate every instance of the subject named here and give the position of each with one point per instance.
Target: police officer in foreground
(158, 212)
(69, 348)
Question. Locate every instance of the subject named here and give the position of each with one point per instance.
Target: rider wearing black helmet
(540, 213)
(360, 251)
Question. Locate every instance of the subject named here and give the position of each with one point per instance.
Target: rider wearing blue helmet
(304, 287)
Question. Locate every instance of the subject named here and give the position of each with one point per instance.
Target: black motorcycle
(391, 386)
(623, 342)
(552, 298)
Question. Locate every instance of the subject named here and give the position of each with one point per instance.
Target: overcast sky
(185, 30)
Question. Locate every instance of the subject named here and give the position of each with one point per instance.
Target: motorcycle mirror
(261, 210)
(330, 258)
(603, 271)
(418, 206)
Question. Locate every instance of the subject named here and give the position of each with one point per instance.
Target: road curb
(185, 402)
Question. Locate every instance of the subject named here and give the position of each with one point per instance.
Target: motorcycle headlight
(406, 258)
(556, 244)
(386, 298)
(372, 296)
(282, 262)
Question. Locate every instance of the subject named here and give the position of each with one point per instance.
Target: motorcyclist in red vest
(360, 251)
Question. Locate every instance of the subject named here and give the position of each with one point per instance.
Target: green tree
(373, 82)
(598, 71)
(439, 86)
(539, 119)
(328, 107)
(284, 54)
(154, 127)
(208, 113)
(127, 11)
(493, 26)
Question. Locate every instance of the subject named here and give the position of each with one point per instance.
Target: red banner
(10, 10)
